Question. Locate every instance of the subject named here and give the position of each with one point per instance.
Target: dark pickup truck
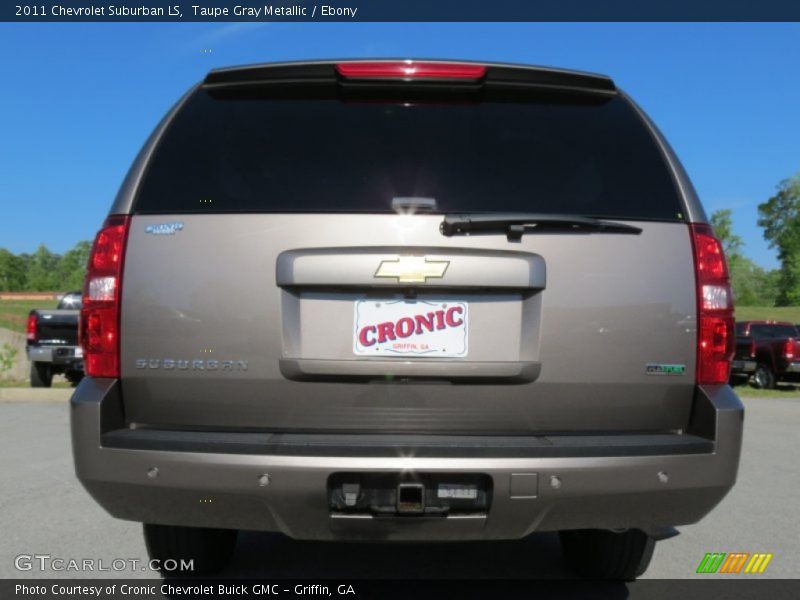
(53, 342)
(769, 351)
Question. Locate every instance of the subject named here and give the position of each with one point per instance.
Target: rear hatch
(316, 251)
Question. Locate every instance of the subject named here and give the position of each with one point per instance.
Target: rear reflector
(715, 336)
(409, 70)
(30, 330)
(99, 326)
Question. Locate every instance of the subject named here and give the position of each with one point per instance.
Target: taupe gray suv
(407, 300)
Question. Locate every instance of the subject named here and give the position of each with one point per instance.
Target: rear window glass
(70, 301)
(772, 331)
(328, 155)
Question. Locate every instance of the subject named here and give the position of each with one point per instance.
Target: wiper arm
(515, 225)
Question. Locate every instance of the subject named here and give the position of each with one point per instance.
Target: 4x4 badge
(666, 369)
(412, 269)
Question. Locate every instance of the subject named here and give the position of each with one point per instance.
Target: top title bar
(402, 10)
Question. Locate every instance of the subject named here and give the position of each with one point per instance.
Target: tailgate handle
(358, 267)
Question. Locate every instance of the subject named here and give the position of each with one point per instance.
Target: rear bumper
(544, 484)
(58, 356)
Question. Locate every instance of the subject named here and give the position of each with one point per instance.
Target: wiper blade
(515, 225)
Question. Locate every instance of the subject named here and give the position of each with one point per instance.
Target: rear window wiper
(515, 225)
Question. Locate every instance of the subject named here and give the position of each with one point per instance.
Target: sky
(78, 100)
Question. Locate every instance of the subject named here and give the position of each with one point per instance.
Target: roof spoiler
(418, 73)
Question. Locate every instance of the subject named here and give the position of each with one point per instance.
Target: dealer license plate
(419, 328)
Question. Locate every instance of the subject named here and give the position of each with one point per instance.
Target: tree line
(43, 270)
(779, 216)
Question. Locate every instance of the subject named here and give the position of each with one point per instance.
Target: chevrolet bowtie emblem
(412, 269)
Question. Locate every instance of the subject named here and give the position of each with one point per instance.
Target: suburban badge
(181, 364)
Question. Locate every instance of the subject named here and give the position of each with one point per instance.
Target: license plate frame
(410, 328)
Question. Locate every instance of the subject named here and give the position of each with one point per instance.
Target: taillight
(752, 348)
(409, 70)
(715, 337)
(30, 329)
(99, 328)
(789, 349)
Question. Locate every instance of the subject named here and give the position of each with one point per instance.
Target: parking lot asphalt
(44, 510)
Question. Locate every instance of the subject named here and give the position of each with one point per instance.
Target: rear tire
(210, 549)
(74, 377)
(41, 375)
(600, 554)
(737, 379)
(763, 378)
